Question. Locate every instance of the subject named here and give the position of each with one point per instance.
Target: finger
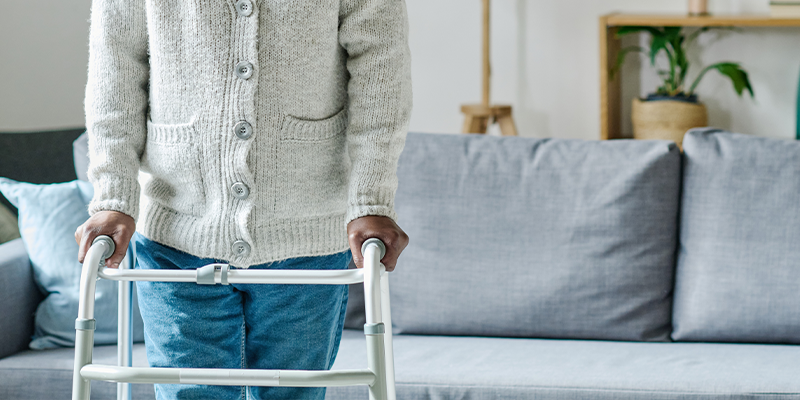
(395, 243)
(121, 238)
(87, 236)
(119, 254)
(390, 258)
(356, 240)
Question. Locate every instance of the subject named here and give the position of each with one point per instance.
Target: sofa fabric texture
(580, 235)
(9, 226)
(38, 375)
(739, 260)
(438, 368)
(37, 157)
(19, 297)
(80, 154)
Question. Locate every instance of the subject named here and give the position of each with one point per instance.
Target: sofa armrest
(19, 298)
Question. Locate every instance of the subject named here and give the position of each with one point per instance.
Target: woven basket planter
(666, 119)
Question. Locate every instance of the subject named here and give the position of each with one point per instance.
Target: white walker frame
(380, 361)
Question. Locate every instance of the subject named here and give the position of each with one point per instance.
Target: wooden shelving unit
(610, 96)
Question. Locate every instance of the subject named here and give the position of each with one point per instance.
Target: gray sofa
(556, 269)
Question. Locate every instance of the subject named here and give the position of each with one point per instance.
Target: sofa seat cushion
(438, 367)
(47, 374)
(476, 368)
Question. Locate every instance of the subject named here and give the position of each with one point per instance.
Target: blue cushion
(739, 259)
(536, 238)
(48, 218)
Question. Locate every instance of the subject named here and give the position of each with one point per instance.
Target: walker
(379, 375)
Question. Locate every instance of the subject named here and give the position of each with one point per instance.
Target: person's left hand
(383, 228)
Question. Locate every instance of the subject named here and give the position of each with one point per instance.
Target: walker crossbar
(229, 377)
(380, 359)
(276, 276)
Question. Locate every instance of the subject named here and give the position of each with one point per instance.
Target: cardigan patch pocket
(172, 158)
(313, 159)
(314, 129)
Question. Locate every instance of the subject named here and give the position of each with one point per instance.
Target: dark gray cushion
(536, 238)
(19, 297)
(738, 275)
(474, 368)
(37, 157)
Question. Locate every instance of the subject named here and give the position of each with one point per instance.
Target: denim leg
(294, 326)
(188, 325)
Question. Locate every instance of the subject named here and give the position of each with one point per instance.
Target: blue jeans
(239, 326)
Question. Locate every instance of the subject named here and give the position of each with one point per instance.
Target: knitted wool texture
(328, 100)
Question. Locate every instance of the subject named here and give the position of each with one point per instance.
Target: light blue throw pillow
(48, 218)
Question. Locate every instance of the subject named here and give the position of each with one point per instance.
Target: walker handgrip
(110, 242)
(376, 241)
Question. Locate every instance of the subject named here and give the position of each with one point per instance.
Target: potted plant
(673, 109)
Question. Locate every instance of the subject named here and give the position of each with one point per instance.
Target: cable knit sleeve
(116, 103)
(375, 35)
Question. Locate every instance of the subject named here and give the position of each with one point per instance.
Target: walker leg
(84, 341)
(377, 364)
(386, 312)
(375, 329)
(102, 248)
(124, 326)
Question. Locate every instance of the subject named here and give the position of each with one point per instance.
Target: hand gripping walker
(379, 376)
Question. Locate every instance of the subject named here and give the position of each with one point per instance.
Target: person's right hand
(112, 223)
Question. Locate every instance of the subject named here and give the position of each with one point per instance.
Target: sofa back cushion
(37, 157)
(523, 237)
(738, 274)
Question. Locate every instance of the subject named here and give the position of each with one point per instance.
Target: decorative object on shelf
(672, 109)
(784, 8)
(698, 7)
(478, 117)
(610, 46)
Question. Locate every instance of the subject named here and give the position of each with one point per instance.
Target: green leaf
(656, 45)
(734, 72)
(680, 59)
(621, 58)
(672, 33)
(737, 75)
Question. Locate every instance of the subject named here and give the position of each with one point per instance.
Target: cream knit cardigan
(327, 97)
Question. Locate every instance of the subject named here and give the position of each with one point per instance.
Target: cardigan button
(244, 70)
(240, 248)
(240, 190)
(243, 130)
(244, 7)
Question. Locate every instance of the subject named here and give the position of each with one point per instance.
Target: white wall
(545, 61)
(43, 56)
